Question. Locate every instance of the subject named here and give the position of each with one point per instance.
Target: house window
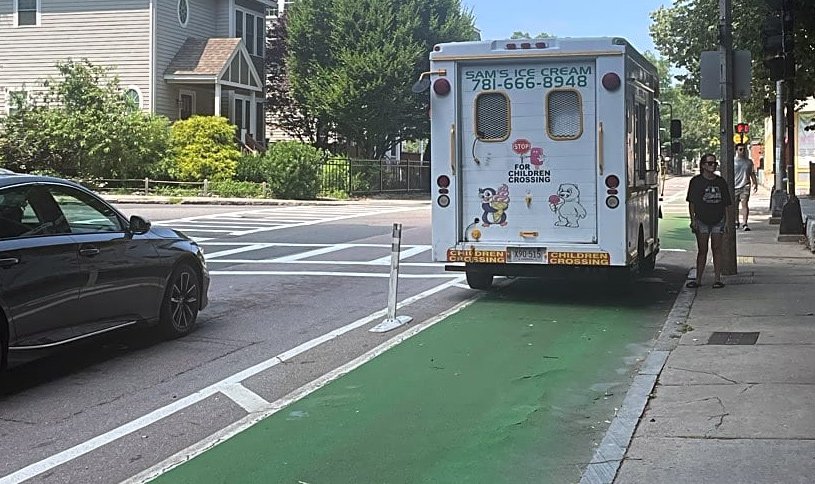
(183, 12)
(239, 24)
(16, 100)
(133, 98)
(261, 37)
(27, 12)
(251, 28)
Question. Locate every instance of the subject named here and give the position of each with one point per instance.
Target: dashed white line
(249, 400)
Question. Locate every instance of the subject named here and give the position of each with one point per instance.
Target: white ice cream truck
(544, 153)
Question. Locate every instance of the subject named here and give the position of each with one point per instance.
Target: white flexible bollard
(392, 321)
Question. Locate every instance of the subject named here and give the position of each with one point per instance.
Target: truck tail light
(611, 81)
(441, 87)
(443, 181)
(612, 181)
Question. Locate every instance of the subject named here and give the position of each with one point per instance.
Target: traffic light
(742, 128)
(778, 39)
(676, 128)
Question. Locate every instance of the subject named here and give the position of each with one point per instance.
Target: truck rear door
(528, 149)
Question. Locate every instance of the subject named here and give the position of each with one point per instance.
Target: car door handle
(89, 252)
(9, 261)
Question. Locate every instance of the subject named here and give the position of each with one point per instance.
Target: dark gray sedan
(72, 266)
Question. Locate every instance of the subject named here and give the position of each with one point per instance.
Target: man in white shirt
(744, 176)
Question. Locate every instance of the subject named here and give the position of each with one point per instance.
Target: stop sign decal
(521, 146)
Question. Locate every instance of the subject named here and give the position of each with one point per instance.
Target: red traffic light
(742, 128)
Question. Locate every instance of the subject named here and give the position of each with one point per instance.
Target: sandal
(692, 284)
(718, 284)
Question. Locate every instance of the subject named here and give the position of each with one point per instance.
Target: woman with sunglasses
(708, 197)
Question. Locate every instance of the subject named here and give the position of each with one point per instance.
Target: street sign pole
(728, 259)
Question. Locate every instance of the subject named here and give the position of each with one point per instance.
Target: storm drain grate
(732, 338)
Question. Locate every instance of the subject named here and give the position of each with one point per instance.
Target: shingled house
(174, 57)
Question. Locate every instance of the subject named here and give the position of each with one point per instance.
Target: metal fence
(365, 177)
(337, 176)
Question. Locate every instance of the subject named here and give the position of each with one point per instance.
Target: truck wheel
(479, 280)
(645, 265)
(648, 264)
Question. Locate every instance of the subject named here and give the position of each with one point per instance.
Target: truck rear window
(492, 116)
(564, 120)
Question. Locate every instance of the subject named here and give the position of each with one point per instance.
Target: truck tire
(479, 280)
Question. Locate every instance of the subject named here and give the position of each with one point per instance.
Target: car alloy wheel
(181, 302)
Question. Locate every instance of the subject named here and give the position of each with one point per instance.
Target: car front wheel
(182, 299)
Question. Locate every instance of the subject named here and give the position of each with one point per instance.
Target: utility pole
(728, 260)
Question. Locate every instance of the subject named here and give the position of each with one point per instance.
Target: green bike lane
(517, 387)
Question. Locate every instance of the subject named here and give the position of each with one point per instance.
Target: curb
(609, 456)
(249, 201)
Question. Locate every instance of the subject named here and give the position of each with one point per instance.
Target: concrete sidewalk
(726, 409)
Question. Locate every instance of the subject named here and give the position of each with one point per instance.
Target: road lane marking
(330, 274)
(325, 220)
(326, 262)
(402, 255)
(249, 400)
(95, 443)
(312, 253)
(252, 419)
(237, 250)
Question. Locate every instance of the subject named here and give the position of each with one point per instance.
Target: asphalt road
(282, 278)
(294, 292)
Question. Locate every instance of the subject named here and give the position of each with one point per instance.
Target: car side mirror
(139, 225)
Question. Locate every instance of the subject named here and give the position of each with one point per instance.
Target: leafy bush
(82, 124)
(251, 168)
(237, 189)
(293, 169)
(204, 148)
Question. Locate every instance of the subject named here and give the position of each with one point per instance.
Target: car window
(25, 212)
(84, 213)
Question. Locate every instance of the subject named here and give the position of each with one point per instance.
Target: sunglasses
(710, 162)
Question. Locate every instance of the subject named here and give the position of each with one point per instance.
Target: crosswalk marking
(247, 222)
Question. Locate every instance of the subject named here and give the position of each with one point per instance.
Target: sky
(630, 19)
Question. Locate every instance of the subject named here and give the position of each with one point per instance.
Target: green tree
(700, 118)
(350, 65)
(689, 27)
(285, 112)
(525, 35)
(82, 124)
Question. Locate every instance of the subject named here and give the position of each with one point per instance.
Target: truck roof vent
(564, 120)
(492, 116)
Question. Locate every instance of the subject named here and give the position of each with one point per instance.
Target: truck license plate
(526, 254)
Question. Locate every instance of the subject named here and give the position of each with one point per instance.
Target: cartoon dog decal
(567, 206)
(494, 204)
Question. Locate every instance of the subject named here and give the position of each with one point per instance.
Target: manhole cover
(732, 338)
